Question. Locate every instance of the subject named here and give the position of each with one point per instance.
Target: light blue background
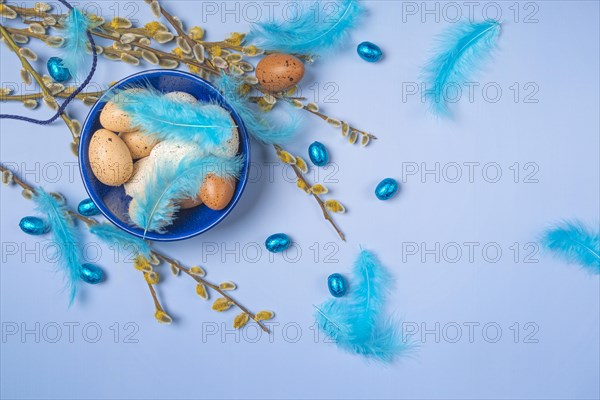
(559, 135)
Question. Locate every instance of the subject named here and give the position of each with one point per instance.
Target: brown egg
(139, 144)
(109, 158)
(277, 72)
(217, 192)
(190, 203)
(113, 119)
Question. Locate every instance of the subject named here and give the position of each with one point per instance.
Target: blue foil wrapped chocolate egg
(34, 226)
(318, 154)
(56, 69)
(386, 189)
(278, 242)
(91, 273)
(337, 285)
(369, 52)
(87, 208)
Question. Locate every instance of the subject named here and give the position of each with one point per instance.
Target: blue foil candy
(337, 285)
(91, 274)
(318, 154)
(369, 52)
(56, 70)
(386, 189)
(87, 208)
(34, 226)
(278, 242)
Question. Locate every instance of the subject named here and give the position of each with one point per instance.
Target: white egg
(172, 152)
(142, 169)
(182, 96)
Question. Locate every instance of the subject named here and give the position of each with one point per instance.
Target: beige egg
(142, 170)
(231, 146)
(109, 158)
(139, 144)
(277, 72)
(190, 203)
(182, 96)
(172, 152)
(217, 192)
(114, 119)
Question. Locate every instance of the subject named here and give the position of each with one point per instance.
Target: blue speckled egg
(318, 154)
(337, 285)
(34, 226)
(386, 189)
(369, 52)
(278, 242)
(56, 70)
(91, 273)
(87, 208)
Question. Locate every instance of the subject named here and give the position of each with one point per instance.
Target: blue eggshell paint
(337, 285)
(113, 203)
(91, 273)
(318, 154)
(369, 52)
(278, 242)
(56, 70)
(34, 226)
(87, 208)
(386, 189)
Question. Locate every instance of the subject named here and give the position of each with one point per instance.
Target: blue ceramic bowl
(114, 203)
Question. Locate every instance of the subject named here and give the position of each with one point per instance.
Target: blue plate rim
(107, 213)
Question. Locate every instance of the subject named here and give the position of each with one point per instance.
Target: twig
(317, 198)
(212, 286)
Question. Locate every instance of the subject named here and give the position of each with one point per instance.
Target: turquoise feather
(75, 50)
(357, 322)
(261, 126)
(164, 118)
(114, 236)
(64, 235)
(156, 206)
(321, 27)
(575, 243)
(462, 50)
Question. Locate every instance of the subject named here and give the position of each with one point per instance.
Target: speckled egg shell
(142, 169)
(277, 72)
(110, 159)
(182, 96)
(217, 192)
(139, 144)
(231, 146)
(114, 119)
(172, 152)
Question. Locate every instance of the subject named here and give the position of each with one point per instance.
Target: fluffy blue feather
(261, 126)
(75, 50)
(357, 322)
(462, 50)
(575, 243)
(165, 118)
(114, 236)
(65, 237)
(155, 208)
(320, 27)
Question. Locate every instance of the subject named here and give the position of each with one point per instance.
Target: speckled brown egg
(110, 159)
(139, 144)
(114, 119)
(277, 72)
(217, 192)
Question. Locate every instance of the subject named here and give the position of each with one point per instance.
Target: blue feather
(114, 236)
(171, 119)
(260, 125)
(316, 30)
(155, 208)
(575, 243)
(75, 50)
(357, 322)
(65, 236)
(462, 50)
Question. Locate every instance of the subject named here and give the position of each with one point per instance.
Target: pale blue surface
(554, 141)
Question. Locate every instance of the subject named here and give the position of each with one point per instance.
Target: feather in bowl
(114, 203)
